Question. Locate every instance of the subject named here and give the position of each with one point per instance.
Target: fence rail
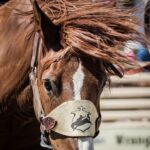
(125, 101)
(140, 78)
(125, 104)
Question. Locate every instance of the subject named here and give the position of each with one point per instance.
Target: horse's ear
(37, 15)
(49, 31)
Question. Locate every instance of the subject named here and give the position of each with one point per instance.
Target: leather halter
(47, 122)
(33, 76)
(65, 109)
(38, 109)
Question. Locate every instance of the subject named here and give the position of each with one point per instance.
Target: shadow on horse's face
(71, 79)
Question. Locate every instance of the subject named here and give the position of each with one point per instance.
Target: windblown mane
(92, 29)
(95, 29)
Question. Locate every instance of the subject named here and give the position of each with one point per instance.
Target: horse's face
(68, 91)
(71, 79)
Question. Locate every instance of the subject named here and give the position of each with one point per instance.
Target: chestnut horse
(69, 48)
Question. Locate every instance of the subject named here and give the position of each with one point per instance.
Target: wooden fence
(127, 99)
(125, 108)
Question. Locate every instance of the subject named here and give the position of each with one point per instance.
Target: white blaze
(78, 80)
(86, 143)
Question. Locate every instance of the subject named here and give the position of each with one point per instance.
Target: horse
(58, 55)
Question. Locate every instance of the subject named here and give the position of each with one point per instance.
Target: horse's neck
(23, 5)
(16, 47)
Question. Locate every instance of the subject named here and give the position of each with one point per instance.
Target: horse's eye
(47, 85)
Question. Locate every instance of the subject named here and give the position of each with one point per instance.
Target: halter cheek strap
(38, 109)
(36, 97)
(33, 78)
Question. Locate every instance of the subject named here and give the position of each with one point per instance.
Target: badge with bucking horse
(81, 119)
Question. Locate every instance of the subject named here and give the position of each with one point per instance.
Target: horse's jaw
(86, 143)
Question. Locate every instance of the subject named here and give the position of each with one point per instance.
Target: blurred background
(125, 105)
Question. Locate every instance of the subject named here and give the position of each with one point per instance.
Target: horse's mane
(16, 36)
(94, 29)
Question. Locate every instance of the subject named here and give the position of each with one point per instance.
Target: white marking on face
(78, 79)
(86, 143)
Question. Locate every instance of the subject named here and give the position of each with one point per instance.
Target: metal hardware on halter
(43, 143)
(49, 123)
(44, 138)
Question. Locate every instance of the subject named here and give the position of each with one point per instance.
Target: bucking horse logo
(81, 119)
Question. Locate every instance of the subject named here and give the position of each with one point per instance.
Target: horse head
(69, 72)
(66, 88)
